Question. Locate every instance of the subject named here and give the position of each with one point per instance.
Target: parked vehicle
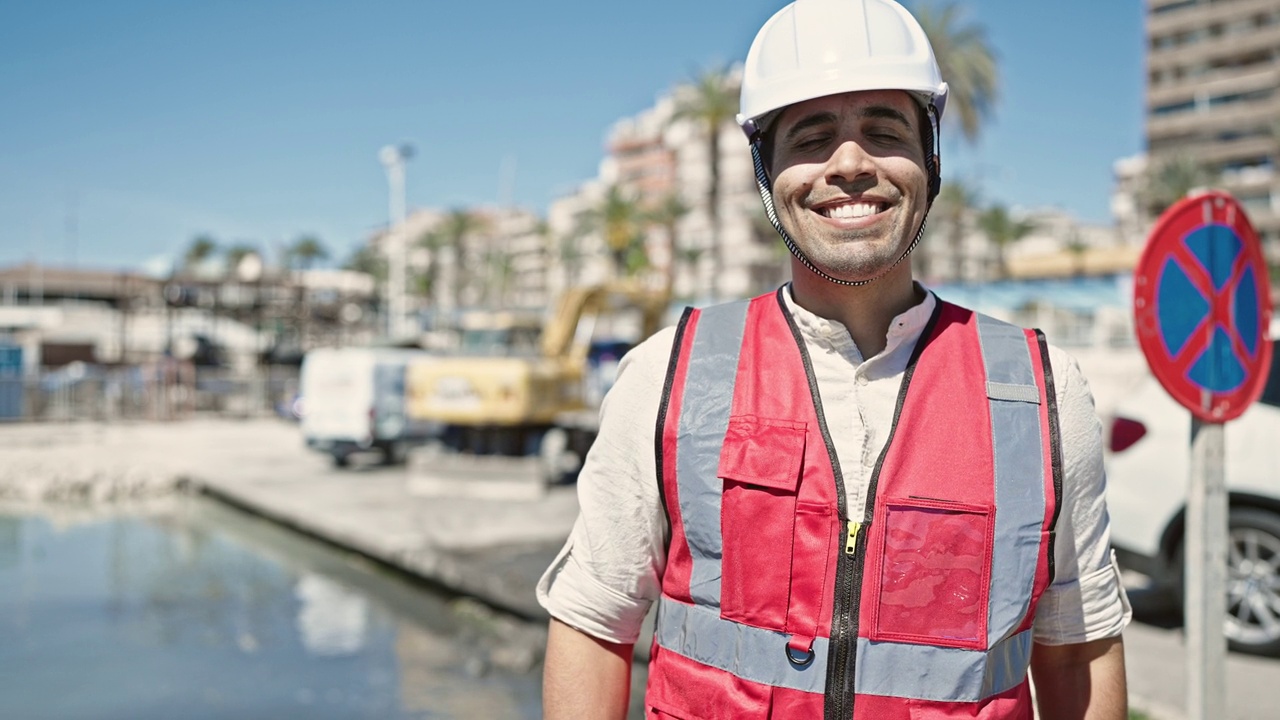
(1148, 462)
(353, 399)
(539, 398)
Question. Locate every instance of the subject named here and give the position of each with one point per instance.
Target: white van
(353, 400)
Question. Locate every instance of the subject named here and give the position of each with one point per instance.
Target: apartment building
(654, 156)
(1213, 94)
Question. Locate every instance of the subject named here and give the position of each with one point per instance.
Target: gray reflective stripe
(1005, 352)
(750, 653)
(1018, 449)
(705, 403)
(1014, 393)
(942, 674)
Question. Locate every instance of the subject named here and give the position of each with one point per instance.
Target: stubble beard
(856, 255)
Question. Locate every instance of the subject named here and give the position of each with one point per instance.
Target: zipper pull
(851, 540)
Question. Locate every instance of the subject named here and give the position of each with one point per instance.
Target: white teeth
(853, 210)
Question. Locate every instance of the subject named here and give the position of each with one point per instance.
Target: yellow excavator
(542, 402)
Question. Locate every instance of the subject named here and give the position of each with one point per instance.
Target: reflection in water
(200, 612)
(331, 619)
(10, 537)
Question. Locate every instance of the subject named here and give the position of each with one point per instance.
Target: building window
(1212, 102)
(1234, 98)
(1242, 134)
(1239, 62)
(1173, 108)
(1261, 162)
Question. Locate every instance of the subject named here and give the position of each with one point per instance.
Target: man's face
(849, 179)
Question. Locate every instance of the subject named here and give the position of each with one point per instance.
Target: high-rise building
(1213, 98)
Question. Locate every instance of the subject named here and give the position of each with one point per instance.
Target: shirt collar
(905, 328)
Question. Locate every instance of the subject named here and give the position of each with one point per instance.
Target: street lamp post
(393, 158)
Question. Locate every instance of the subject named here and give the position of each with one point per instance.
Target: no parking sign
(1202, 307)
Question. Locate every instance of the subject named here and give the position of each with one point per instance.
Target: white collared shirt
(610, 569)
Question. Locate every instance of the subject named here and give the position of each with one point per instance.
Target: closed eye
(812, 142)
(885, 136)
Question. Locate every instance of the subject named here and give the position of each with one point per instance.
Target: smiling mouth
(853, 211)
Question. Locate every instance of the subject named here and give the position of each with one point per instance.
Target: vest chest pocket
(935, 574)
(760, 464)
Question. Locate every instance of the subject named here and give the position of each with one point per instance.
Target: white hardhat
(815, 48)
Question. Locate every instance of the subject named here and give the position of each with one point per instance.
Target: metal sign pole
(1206, 574)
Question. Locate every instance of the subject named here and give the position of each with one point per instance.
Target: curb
(450, 573)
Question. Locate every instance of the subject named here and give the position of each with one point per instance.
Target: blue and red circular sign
(1202, 306)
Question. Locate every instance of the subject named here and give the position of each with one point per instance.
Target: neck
(866, 311)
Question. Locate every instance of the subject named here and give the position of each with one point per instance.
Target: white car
(1148, 458)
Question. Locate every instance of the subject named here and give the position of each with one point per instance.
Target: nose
(850, 162)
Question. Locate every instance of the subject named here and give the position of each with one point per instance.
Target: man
(848, 498)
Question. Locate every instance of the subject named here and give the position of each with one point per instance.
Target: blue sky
(128, 127)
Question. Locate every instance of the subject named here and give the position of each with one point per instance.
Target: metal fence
(159, 391)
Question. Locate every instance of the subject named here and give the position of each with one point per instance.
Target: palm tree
(567, 249)
(428, 282)
(619, 220)
(711, 102)
(667, 215)
(368, 261)
(1168, 179)
(967, 63)
(501, 267)
(953, 206)
(459, 226)
(202, 248)
(1003, 230)
(236, 255)
(305, 252)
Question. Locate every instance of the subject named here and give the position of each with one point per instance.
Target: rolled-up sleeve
(1087, 600)
(608, 573)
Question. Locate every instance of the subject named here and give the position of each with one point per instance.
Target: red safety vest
(777, 601)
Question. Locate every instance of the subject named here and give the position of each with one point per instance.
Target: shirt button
(862, 379)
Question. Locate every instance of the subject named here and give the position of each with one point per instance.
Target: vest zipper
(844, 640)
(851, 538)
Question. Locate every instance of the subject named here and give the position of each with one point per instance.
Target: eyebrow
(808, 121)
(882, 112)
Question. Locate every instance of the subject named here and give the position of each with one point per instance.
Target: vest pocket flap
(762, 451)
